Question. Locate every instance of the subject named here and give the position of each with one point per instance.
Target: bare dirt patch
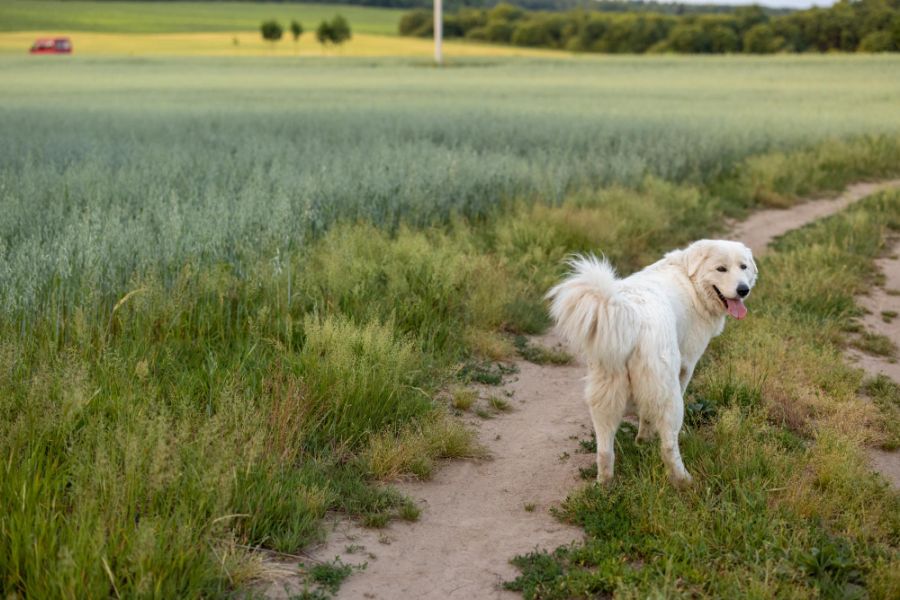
(476, 515)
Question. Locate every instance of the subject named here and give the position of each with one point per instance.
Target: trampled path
(476, 515)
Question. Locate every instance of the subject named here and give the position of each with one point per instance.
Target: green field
(228, 143)
(232, 292)
(172, 17)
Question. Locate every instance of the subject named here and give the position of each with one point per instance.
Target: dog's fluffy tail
(591, 313)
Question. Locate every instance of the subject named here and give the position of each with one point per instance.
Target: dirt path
(762, 227)
(474, 516)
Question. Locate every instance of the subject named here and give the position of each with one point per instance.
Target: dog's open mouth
(734, 306)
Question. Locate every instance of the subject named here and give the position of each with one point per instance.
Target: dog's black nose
(743, 290)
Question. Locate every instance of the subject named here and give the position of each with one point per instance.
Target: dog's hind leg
(669, 427)
(657, 390)
(607, 397)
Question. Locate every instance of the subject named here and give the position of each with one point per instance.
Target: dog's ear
(694, 256)
(753, 266)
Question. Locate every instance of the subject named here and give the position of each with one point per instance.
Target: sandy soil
(474, 515)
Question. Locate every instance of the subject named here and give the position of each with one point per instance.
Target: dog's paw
(682, 481)
(604, 481)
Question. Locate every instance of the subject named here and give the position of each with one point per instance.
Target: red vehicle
(61, 45)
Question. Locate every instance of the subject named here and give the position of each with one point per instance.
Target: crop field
(233, 290)
(250, 44)
(186, 17)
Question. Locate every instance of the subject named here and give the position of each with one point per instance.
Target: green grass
(784, 504)
(232, 292)
(886, 394)
(540, 355)
(172, 17)
(875, 343)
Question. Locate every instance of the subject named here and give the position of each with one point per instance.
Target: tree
(323, 32)
(340, 30)
(336, 31)
(271, 31)
(762, 39)
(296, 30)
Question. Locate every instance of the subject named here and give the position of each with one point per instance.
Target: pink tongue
(736, 308)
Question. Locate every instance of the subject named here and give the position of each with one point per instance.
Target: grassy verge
(785, 505)
(148, 439)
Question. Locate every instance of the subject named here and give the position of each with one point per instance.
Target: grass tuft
(539, 354)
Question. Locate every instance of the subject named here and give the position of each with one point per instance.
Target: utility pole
(438, 31)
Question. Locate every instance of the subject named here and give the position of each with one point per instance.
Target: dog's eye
(721, 269)
(743, 266)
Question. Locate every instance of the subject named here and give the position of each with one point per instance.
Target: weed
(499, 404)
(874, 343)
(539, 354)
(888, 315)
(484, 413)
(463, 399)
(410, 512)
(330, 576)
(486, 373)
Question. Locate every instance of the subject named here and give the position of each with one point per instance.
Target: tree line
(850, 26)
(655, 6)
(336, 31)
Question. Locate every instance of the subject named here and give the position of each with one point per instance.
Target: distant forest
(848, 26)
(666, 8)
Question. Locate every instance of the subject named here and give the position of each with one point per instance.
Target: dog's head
(723, 273)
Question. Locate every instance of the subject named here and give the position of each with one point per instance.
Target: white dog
(643, 335)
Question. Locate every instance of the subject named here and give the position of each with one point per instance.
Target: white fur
(643, 335)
